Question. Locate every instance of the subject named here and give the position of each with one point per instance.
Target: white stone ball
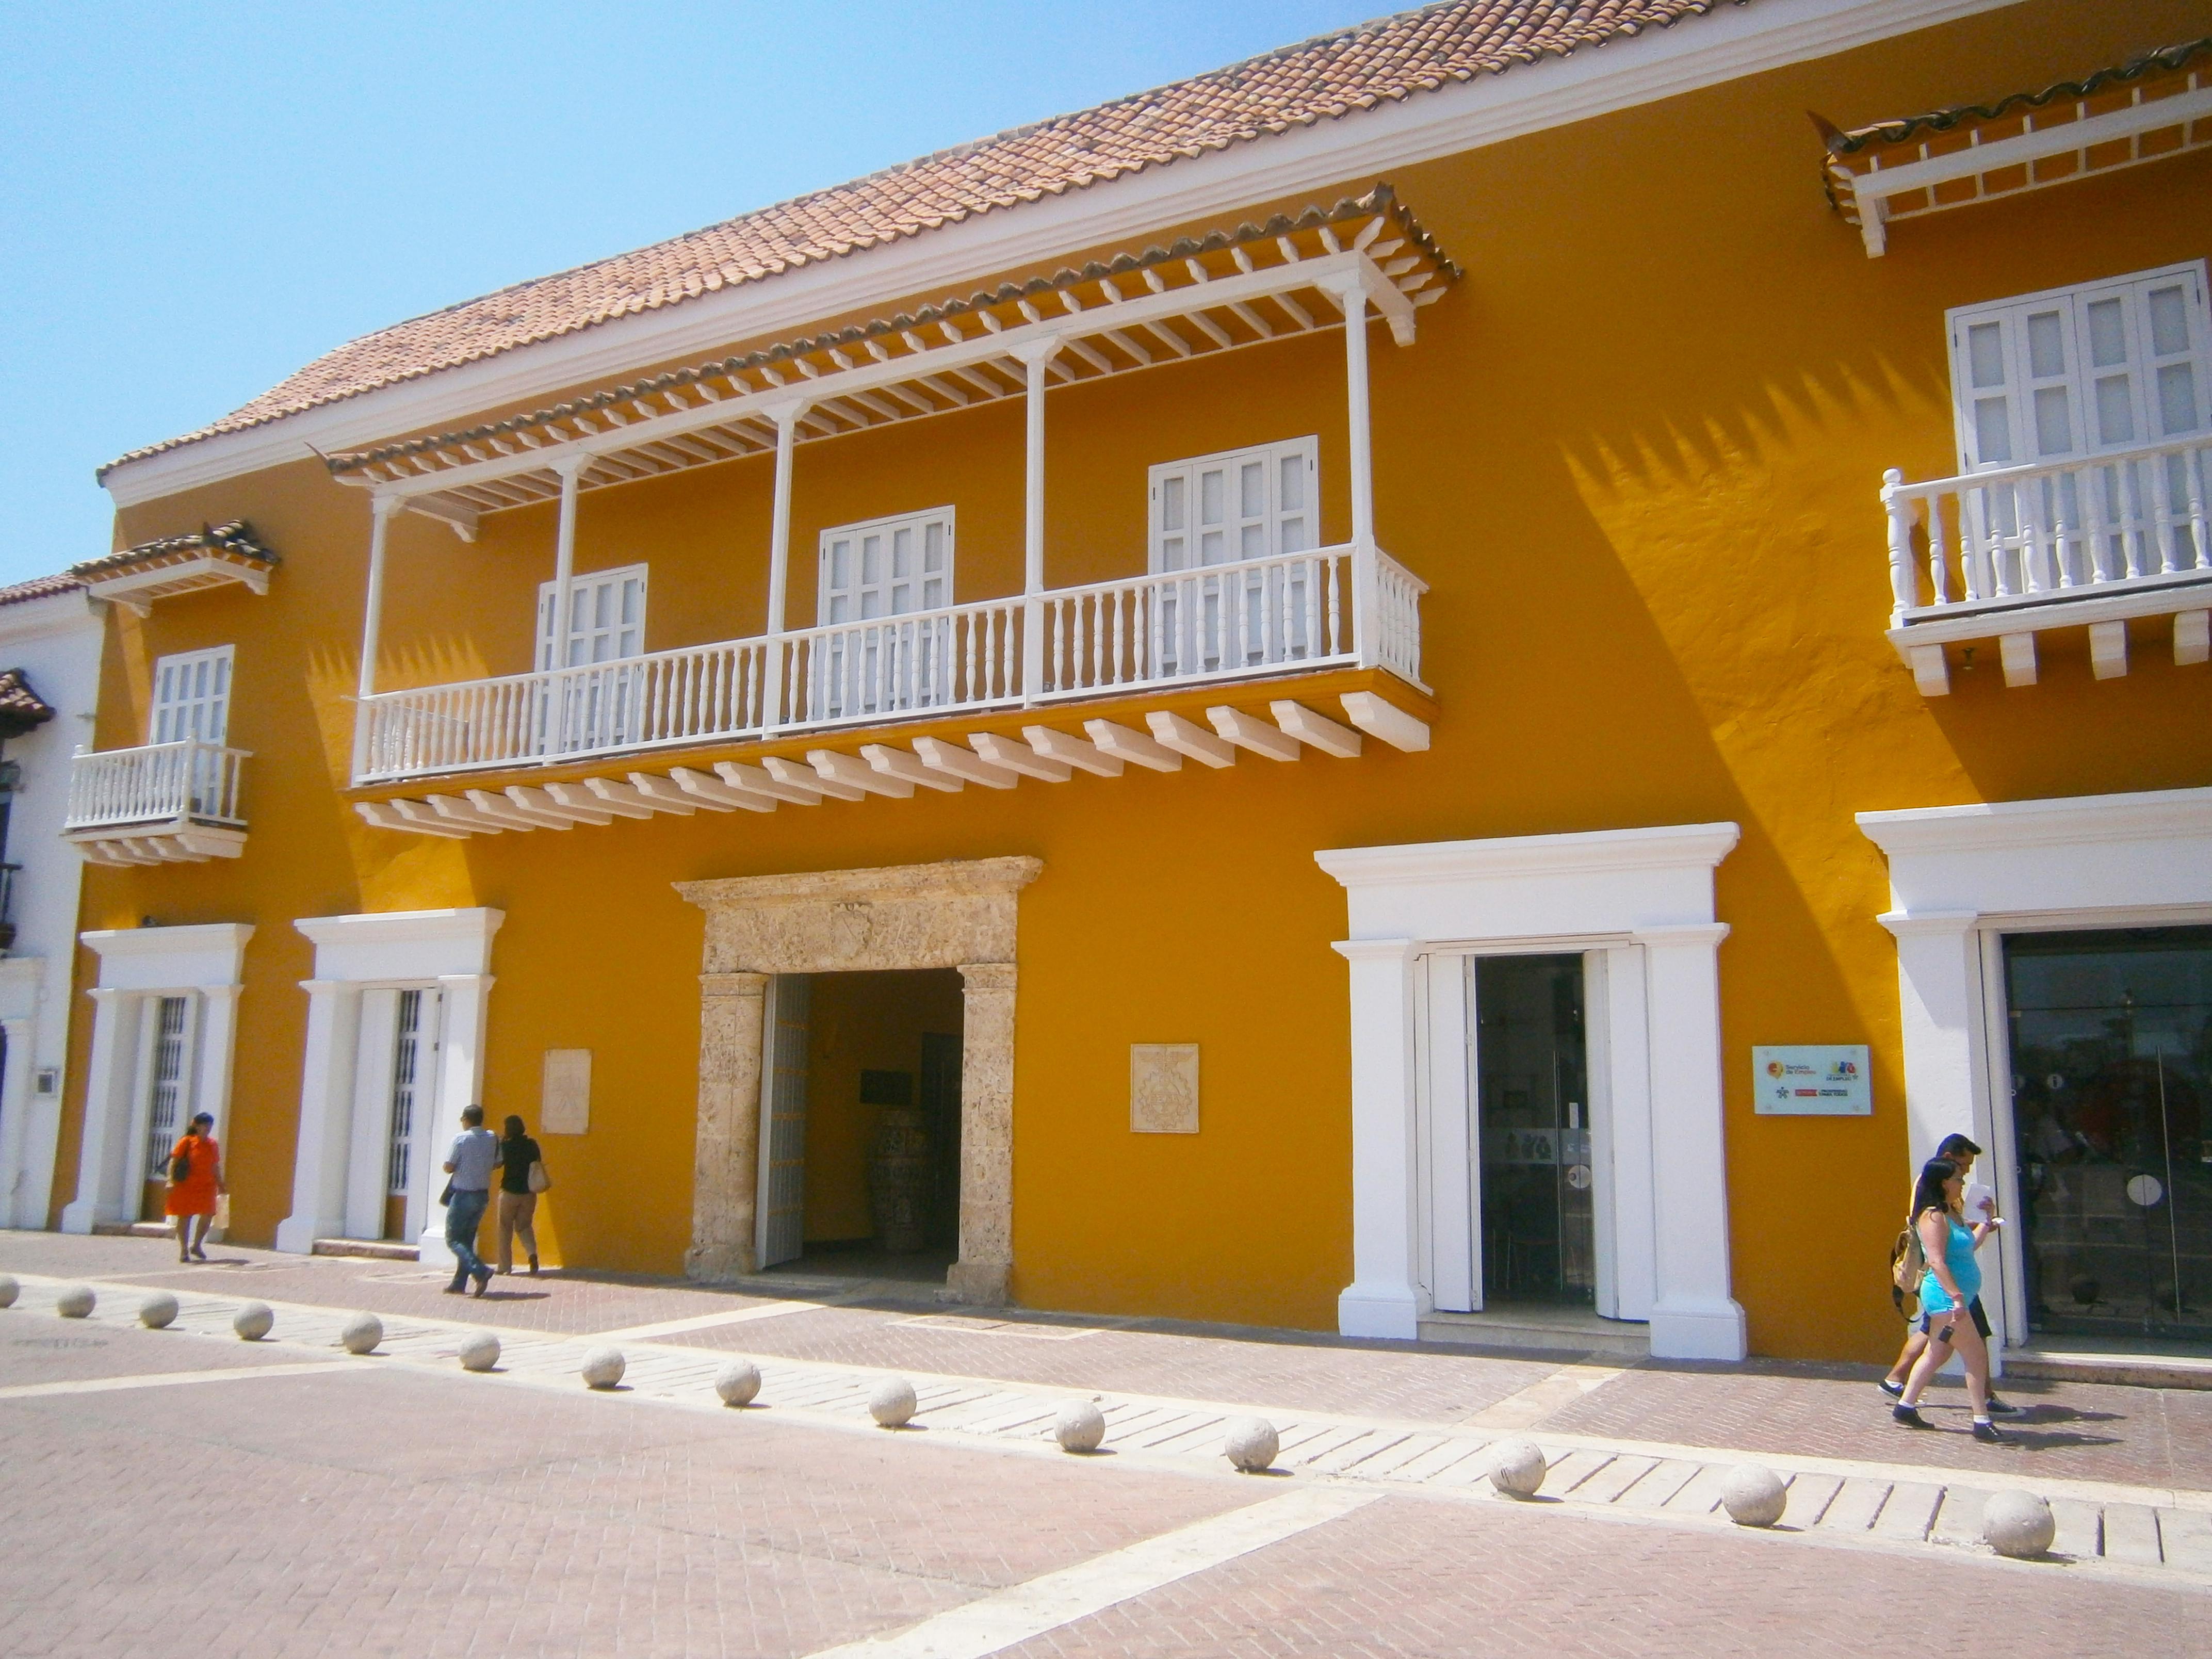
(1080, 1426)
(1754, 1495)
(76, 1302)
(892, 1403)
(737, 1382)
(2018, 1523)
(254, 1321)
(1517, 1468)
(9, 1290)
(158, 1311)
(361, 1334)
(479, 1351)
(603, 1367)
(1250, 1443)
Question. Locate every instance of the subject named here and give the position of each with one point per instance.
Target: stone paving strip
(2102, 1527)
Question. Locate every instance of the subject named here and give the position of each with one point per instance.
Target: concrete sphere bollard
(158, 1311)
(2019, 1524)
(892, 1403)
(1517, 1468)
(361, 1334)
(1081, 1427)
(737, 1382)
(1250, 1443)
(603, 1367)
(479, 1351)
(254, 1321)
(1754, 1495)
(9, 1290)
(76, 1302)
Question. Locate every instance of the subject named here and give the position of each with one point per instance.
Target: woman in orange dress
(193, 1197)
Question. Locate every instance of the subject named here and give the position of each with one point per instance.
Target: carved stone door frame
(956, 914)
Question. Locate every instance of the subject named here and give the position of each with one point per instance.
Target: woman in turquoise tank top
(1953, 1281)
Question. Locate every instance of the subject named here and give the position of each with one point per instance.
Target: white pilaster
(1384, 1299)
(1694, 1314)
(319, 1167)
(106, 1112)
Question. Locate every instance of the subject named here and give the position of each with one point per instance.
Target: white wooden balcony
(1330, 608)
(2099, 543)
(163, 803)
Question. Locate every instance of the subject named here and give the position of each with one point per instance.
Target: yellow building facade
(1236, 818)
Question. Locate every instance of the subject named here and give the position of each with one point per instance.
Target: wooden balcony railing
(158, 784)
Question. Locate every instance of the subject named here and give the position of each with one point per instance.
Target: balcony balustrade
(2096, 542)
(161, 803)
(1337, 607)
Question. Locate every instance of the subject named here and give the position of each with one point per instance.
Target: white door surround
(345, 1099)
(139, 966)
(955, 915)
(1640, 901)
(23, 1193)
(1961, 879)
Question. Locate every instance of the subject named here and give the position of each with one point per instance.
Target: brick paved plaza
(181, 1490)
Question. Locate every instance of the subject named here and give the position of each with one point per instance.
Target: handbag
(180, 1168)
(445, 1198)
(540, 1180)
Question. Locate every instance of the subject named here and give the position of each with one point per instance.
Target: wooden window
(885, 567)
(191, 696)
(2082, 371)
(606, 619)
(1239, 504)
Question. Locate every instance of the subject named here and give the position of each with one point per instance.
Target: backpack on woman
(1908, 1264)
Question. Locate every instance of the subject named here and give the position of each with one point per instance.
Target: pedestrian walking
(195, 1185)
(1953, 1279)
(521, 1178)
(1958, 1150)
(466, 1197)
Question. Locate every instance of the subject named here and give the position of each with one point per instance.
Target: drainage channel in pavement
(2102, 1527)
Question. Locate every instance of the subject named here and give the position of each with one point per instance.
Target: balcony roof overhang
(2157, 106)
(1290, 277)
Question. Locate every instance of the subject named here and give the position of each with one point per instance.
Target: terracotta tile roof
(1896, 132)
(235, 539)
(1324, 78)
(39, 587)
(21, 708)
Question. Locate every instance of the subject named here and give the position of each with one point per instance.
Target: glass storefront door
(2111, 1069)
(1533, 1130)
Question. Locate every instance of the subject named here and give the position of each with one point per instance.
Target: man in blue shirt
(475, 1152)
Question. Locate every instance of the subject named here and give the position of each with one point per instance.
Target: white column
(1384, 1298)
(1361, 444)
(319, 1167)
(1036, 357)
(1694, 1315)
(16, 1037)
(106, 1112)
(380, 511)
(786, 416)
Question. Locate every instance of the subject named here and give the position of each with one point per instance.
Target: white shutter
(606, 619)
(191, 696)
(885, 567)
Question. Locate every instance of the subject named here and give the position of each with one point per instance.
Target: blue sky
(196, 199)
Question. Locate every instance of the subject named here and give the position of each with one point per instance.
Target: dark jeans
(462, 1216)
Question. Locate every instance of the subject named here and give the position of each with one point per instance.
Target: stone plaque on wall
(564, 1106)
(1164, 1088)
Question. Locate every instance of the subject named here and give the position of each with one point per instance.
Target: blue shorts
(1931, 1322)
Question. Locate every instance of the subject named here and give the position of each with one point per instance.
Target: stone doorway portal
(958, 915)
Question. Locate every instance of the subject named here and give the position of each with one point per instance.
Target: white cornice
(69, 612)
(401, 944)
(2080, 820)
(1490, 109)
(1680, 847)
(119, 942)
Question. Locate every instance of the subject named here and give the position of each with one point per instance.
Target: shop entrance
(2111, 1071)
(860, 1140)
(1535, 1178)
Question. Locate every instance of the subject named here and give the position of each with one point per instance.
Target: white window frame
(589, 583)
(856, 589)
(2077, 375)
(1642, 901)
(1241, 528)
(202, 713)
(1961, 877)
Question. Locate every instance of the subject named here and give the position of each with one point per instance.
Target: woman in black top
(518, 1204)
